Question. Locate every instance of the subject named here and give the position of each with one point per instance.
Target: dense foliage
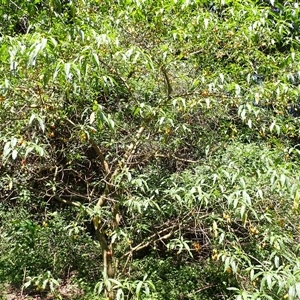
(150, 149)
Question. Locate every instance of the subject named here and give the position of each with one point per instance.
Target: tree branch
(175, 157)
(151, 239)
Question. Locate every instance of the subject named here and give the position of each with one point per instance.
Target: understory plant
(142, 140)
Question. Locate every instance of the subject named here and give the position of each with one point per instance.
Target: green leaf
(297, 287)
(138, 289)
(120, 294)
(67, 70)
(39, 150)
(29, 150)
(32, 117)
(13, 142)
(292, 292)
(14, 154)
(96, 59)
(41, 123)
(269, 281)
(242, 211)
(7, 149)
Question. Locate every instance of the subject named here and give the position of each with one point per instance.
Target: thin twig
(205, 288)
(176, 158)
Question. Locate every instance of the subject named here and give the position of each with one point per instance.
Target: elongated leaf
(14, 154)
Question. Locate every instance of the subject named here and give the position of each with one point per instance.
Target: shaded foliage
(151, 145)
